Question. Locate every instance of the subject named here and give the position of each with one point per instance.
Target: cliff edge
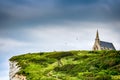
(14, 68)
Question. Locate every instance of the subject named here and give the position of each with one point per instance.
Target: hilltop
(69, 65)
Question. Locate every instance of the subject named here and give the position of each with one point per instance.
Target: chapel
(102, 45)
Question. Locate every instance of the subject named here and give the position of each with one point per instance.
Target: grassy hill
(70, 65)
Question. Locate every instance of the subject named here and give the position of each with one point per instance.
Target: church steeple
(97, 37)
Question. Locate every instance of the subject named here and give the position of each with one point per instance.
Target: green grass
(75, 65)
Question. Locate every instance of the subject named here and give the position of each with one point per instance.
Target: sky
(28, 26)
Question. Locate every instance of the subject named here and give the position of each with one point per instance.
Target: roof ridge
(105, 41)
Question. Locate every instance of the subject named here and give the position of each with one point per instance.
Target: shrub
(93, 52)
(59, 55)
(41, 53)
(113, 72)
(103, 77)
(88, 74)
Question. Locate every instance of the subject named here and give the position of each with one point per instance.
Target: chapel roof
(107, 45)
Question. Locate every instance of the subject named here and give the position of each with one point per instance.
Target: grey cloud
(76, 2)
(57, 11)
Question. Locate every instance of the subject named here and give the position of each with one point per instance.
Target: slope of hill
(70, 65)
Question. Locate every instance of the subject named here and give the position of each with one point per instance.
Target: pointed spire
(97, 35)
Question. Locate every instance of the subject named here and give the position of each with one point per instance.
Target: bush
(103, 77)
(96, 52)
(41, 53)
(113, 72)
(103, 72)
(59, 55)
(88, 74)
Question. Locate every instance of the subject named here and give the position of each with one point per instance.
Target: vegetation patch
(70, 65)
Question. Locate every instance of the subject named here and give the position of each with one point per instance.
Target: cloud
(78, 2)
(7, 44)
(39, 11)
(56, 37)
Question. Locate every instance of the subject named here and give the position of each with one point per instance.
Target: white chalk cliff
(14, 68)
